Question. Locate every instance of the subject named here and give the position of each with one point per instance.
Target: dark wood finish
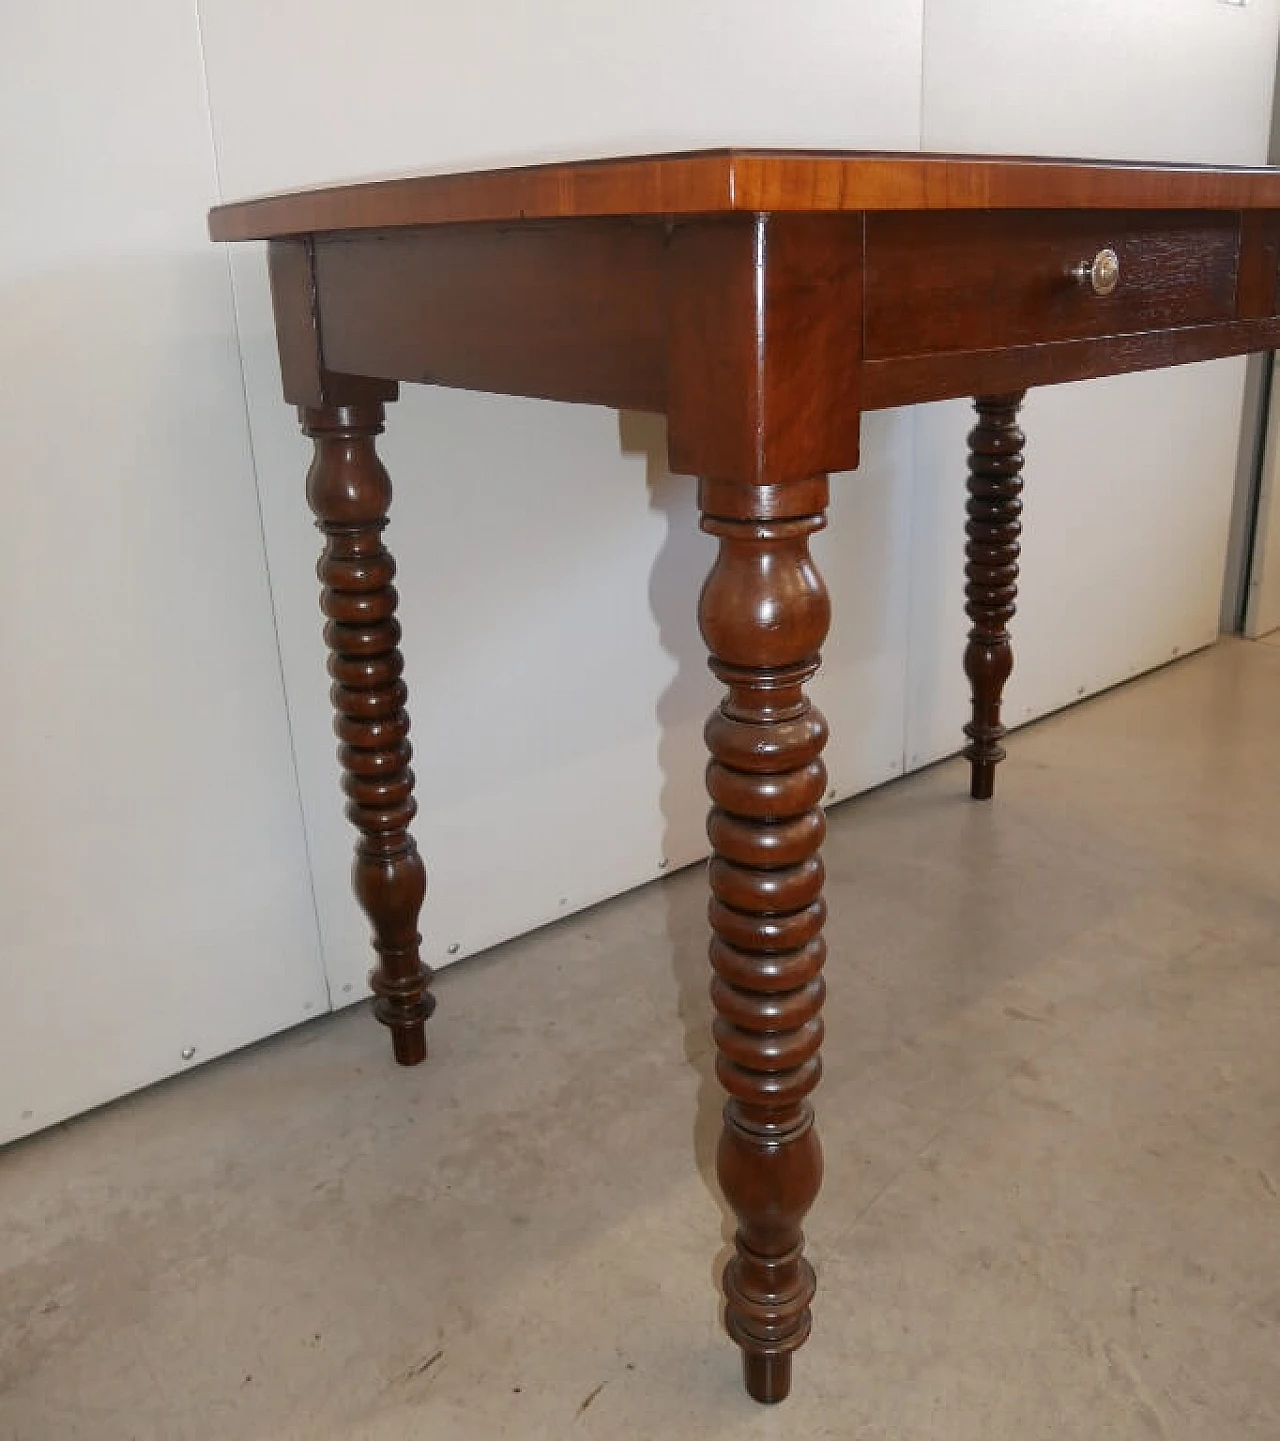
(763, 301)
(500, 308)
(750, 181)
(916, 378)
(764, 315)
(991, 573)
(762, 394)
(982, 280)
(306, 378)
(1259, 264)
(350, 492)
(557, 310)
(764, 614)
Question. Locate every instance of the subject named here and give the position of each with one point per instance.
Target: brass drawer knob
(1102, 272)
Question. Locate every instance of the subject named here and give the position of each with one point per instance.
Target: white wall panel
(306, 93)
(1128, 481)
(1183, 80)
(549, 565)
(153, 883)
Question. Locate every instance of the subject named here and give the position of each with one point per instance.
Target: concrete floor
(1052, 1206)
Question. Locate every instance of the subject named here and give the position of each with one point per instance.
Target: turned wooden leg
(991, 572)
(350, 492)
(764, 615)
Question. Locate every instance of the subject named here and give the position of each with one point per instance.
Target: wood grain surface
(980, 279)
(719, 181)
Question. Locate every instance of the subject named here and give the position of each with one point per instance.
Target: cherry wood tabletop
(723, 181)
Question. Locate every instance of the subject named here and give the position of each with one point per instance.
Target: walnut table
(761, 301)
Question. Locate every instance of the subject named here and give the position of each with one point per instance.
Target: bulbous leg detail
(991, 573)
(350, 492)
(764, 615)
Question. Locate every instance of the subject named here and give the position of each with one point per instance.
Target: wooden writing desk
(762, 301)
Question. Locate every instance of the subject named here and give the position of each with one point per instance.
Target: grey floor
(1051, 1116)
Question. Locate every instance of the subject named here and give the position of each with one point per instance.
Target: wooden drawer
(981, 280)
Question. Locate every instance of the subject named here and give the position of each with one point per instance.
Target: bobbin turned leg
(764, 614)
(350, 492)
(991, 572)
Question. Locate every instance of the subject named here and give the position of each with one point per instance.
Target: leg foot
(991, 570)
(409, 1044)
(982, 780)
(767, 1378)
(350, 492)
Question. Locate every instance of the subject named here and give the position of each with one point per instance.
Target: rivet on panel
(188, 1052)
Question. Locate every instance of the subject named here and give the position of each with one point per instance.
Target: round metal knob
(1102, 272)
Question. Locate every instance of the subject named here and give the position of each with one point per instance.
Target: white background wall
(156, 890)
(154, 894)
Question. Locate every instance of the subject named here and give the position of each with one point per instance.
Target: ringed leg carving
(991, 573)
(764, 614)
(349, 490)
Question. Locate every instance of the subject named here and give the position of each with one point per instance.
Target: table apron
(581, 310)
(914, 379)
